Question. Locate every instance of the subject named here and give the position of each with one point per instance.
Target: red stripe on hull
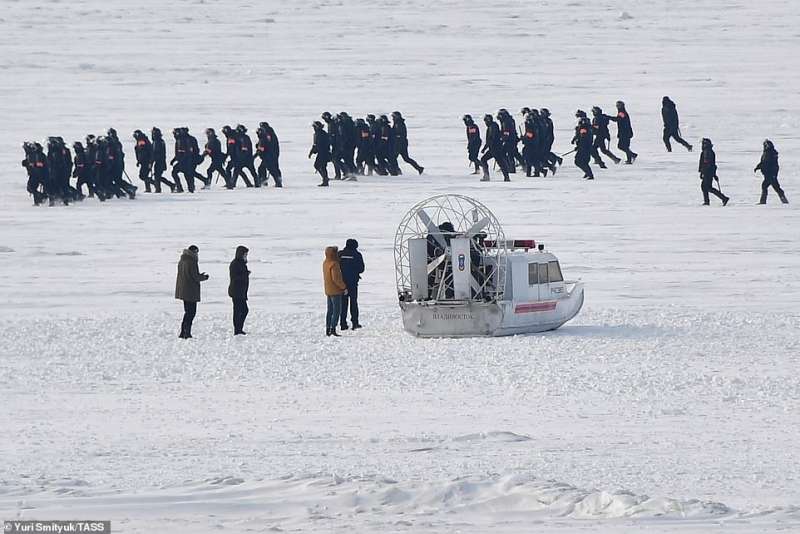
(535, 307)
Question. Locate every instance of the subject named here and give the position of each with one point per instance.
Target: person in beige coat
(334, 289)
(187, 288)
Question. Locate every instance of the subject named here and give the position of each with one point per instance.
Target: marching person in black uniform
(365, 160)
(322, 148)
(708, 173)
(144, 157)
(530, 139)
(35, 163)
(401, 140)
(669, 114)
(244, 157)
(549, 138)
(347, 137)
(375, 135)
(268, 149)
(769, 168)
(335, 149)
(213, 150)
(493, 148)
(81, 170)
(179, 161)
(624, 132)
(583, 143)
(473, 142)
(509, 139)
(160, 162)
(601, 135)
(386, 153)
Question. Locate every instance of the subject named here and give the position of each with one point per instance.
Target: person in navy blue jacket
(352, 264)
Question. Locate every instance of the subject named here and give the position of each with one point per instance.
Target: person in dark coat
(81, 169)
(601, 135)
(624, 132)
(244, 158)
(352, 264)
(232, 148)
(401, 140)
(583, 143)
(769, 168)
(671, 124)
(237, 290)
(335, 150)
(144, 157)
(269, 150)
(365, 160)
(386, 149)
(375, 136)
(187, 288)
(322, 148)
(473, 142)
(493, 148)
(213, 150)
(551, 159)
(160, 162)
(708, 172)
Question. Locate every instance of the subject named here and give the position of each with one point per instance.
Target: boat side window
(554, 270)
(543, 273)
(533, 274)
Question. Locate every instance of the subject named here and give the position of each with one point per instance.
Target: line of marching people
(593, 137)
(99, 164)
(341, 274)
(361, 147)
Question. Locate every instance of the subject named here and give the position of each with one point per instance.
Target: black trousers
(350, 298)
(189, 311)
(402, 151)
(771, 181)
(144, 175)
(707, 186)
(472, 154)
(624, 144)
(240, 310)
(216, 166)
(499, 156)
(238, 169)
(599, 143)
(582, 162)
(674, 135)
(321, 166)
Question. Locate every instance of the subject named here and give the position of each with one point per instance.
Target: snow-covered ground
(672, 403)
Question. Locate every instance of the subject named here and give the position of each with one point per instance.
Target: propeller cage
(446, 249)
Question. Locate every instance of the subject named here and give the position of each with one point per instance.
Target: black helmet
(90, 138)
(488, 118)
(370, 117)
(620, 104)
(241, 128)
(384, 118)
(326, 116)
(467, 118)
(706, 143)
(137, 134)
(768, 145)
(545, 112)
(360, 121)
(397, 115)
(580, 114)
(264, 124)
(525, 110)
(77, 145)
(210, 132)
(155, 132)
(317, 125)
(596, 110)
(111, 132)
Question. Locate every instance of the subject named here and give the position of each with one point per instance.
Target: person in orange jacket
(334, 289)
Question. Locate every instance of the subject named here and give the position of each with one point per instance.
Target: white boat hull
(505, 318)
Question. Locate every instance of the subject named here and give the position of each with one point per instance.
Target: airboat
(458, 275)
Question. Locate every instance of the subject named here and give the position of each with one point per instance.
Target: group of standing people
(360, 147)
(341, 273)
